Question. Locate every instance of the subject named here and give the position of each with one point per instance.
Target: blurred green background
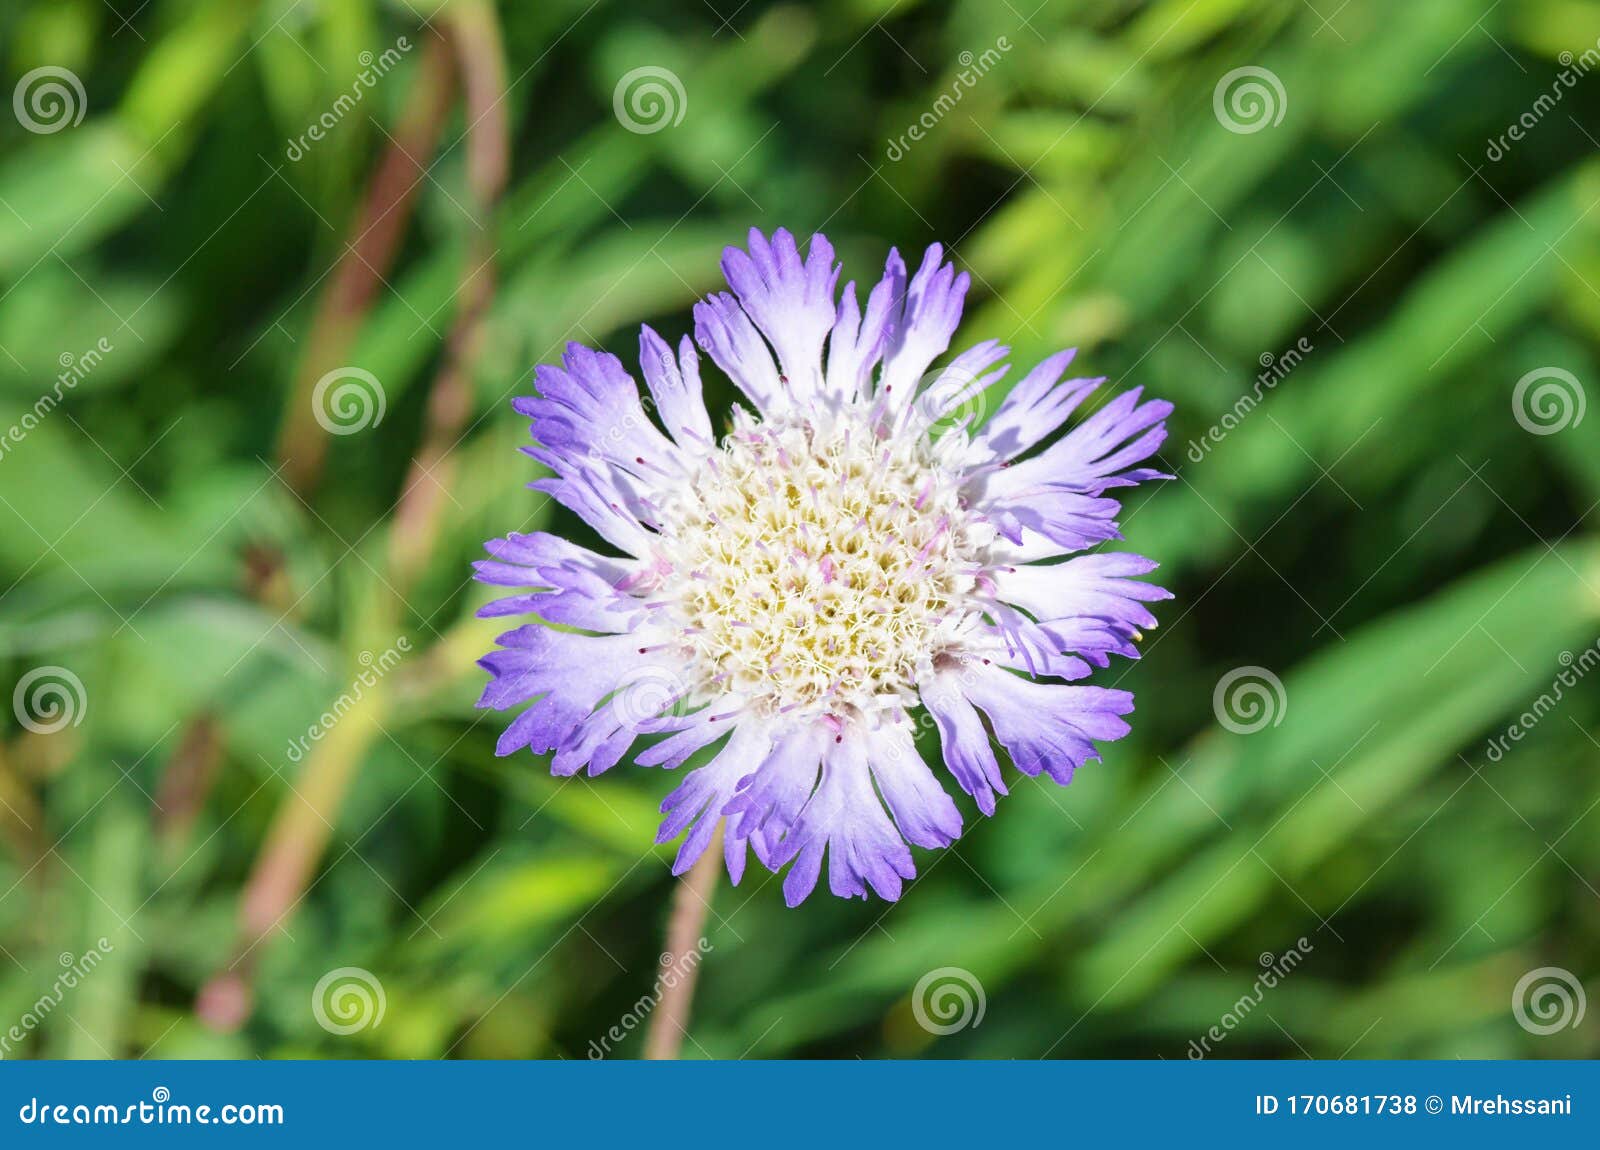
(1396, 535)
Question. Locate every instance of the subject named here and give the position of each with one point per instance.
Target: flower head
(859, 548)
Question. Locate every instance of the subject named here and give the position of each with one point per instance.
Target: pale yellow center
(816, 569)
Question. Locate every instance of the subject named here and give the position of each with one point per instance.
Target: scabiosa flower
(856, 546)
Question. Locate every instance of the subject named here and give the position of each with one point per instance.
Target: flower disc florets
(816, 568)
(783, 600)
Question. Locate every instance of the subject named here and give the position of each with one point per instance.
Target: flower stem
(685, 929)
(370, 250)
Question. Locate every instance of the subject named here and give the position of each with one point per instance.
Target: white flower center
(818, 569)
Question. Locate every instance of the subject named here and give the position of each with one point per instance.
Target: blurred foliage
(1380, 533)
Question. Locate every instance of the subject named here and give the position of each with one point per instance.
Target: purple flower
(860, 544)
